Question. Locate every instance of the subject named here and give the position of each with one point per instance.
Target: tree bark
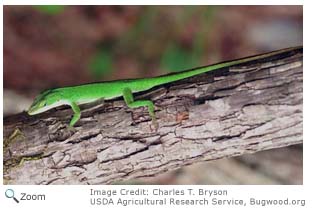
(228, 112)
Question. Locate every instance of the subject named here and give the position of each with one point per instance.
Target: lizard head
(46, 100)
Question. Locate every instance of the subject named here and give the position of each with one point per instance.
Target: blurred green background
(49, 46)
(52, 46)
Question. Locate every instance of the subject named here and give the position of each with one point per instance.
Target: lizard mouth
(31, 111)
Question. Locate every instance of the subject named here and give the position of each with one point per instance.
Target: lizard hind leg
(76, 115)
(129, 100)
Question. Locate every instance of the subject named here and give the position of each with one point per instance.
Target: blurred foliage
(158, 36)
(101, 64)
(176, 58)
(50, 9)
(88, 42)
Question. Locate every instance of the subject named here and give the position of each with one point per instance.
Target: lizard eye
(43, 103)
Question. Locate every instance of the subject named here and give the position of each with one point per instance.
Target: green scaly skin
(86, 93)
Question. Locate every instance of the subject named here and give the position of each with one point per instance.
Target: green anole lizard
(87, 93)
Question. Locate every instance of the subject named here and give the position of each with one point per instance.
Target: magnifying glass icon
(9, 193)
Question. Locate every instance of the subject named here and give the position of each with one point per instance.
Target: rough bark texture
(228, 112)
